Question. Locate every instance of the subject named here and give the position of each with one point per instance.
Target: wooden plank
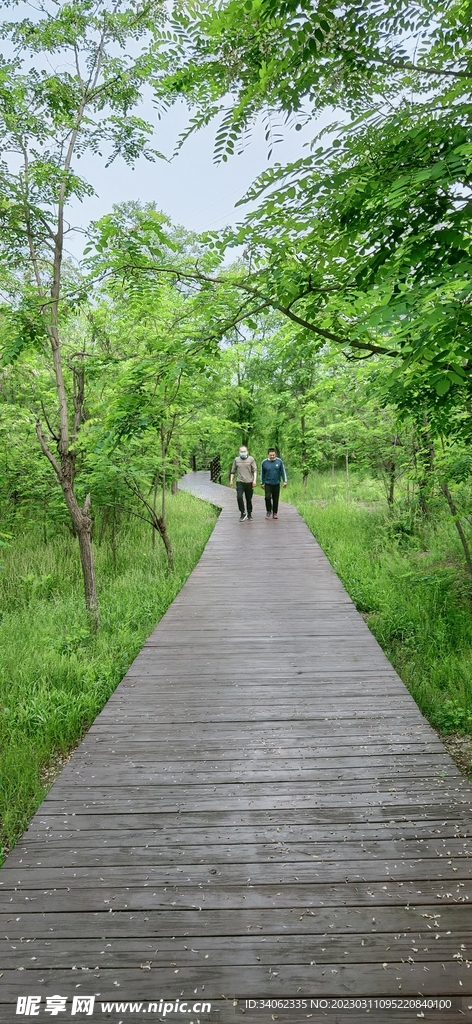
(392, 919)
(284, 895)
(134, 775)
(237, 874)
(224, 792)
(171, 835)
(150, 849)
(259, 981)
(230, 951)
(94, 818)
(250, 754)
(342, 807)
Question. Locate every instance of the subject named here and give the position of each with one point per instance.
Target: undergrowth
(55, 674)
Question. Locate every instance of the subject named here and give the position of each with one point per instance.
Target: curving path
(260, 811)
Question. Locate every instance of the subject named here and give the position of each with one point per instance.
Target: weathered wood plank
(151, 849)
(237, 950)
(394, 918)
(256, 981)
(172, 835)
(287, 817)
(236, 874)
(285, 894)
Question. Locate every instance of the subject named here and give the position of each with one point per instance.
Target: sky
(191, 188)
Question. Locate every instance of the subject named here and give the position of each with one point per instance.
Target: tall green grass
(55, 674)
(336, 486)
(407, 577)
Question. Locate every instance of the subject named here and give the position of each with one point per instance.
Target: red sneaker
(274, 516)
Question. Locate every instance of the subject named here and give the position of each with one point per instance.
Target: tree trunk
(163, 496)
(304, 454)
(389, 465)
(157, 522)
(45, 526)
(458, 524)
(390, 469)
(175, 475)
(113, 537)
(426, 455)
(160, 525)
(82, 521)
(154, 504)
(161, 520)
(103, 526)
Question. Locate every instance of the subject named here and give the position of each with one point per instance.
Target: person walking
(245, 469)
(272, 475)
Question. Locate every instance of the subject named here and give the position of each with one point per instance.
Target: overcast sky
(191, 189)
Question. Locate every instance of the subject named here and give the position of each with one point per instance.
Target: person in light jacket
(245, 469)
(272, 475)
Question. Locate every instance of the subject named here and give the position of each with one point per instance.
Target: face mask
(243, 455)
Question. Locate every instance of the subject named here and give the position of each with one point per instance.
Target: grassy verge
(55, 676)
(407, 578)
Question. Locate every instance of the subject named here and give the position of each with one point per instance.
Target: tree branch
(46, 450)
(51, 431)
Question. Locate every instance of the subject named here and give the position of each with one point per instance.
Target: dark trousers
(271, 495)
(241, 490)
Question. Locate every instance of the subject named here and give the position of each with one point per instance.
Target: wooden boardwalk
(260, 811)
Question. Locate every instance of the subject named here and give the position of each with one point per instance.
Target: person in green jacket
(272, 475)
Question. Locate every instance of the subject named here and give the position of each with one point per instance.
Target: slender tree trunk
(304, 453)
(82, 521)
(348, 490)
(157, 522)
(175, 475)
(45, 531)
(154, 504)
(390, 468)
(103, 526)
(163, 496)
(392, 475)
(160, 526)
(113, 537)
(64, 465)
(458, 525)
(427, 455)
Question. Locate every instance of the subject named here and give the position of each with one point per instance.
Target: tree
(162, 368)
(294, 58)
(366, 242)
(49, 118)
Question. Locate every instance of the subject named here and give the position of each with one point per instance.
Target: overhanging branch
(197, 275)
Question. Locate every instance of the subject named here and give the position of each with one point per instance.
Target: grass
(407, 577)
(329, 487)
(55, 675)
